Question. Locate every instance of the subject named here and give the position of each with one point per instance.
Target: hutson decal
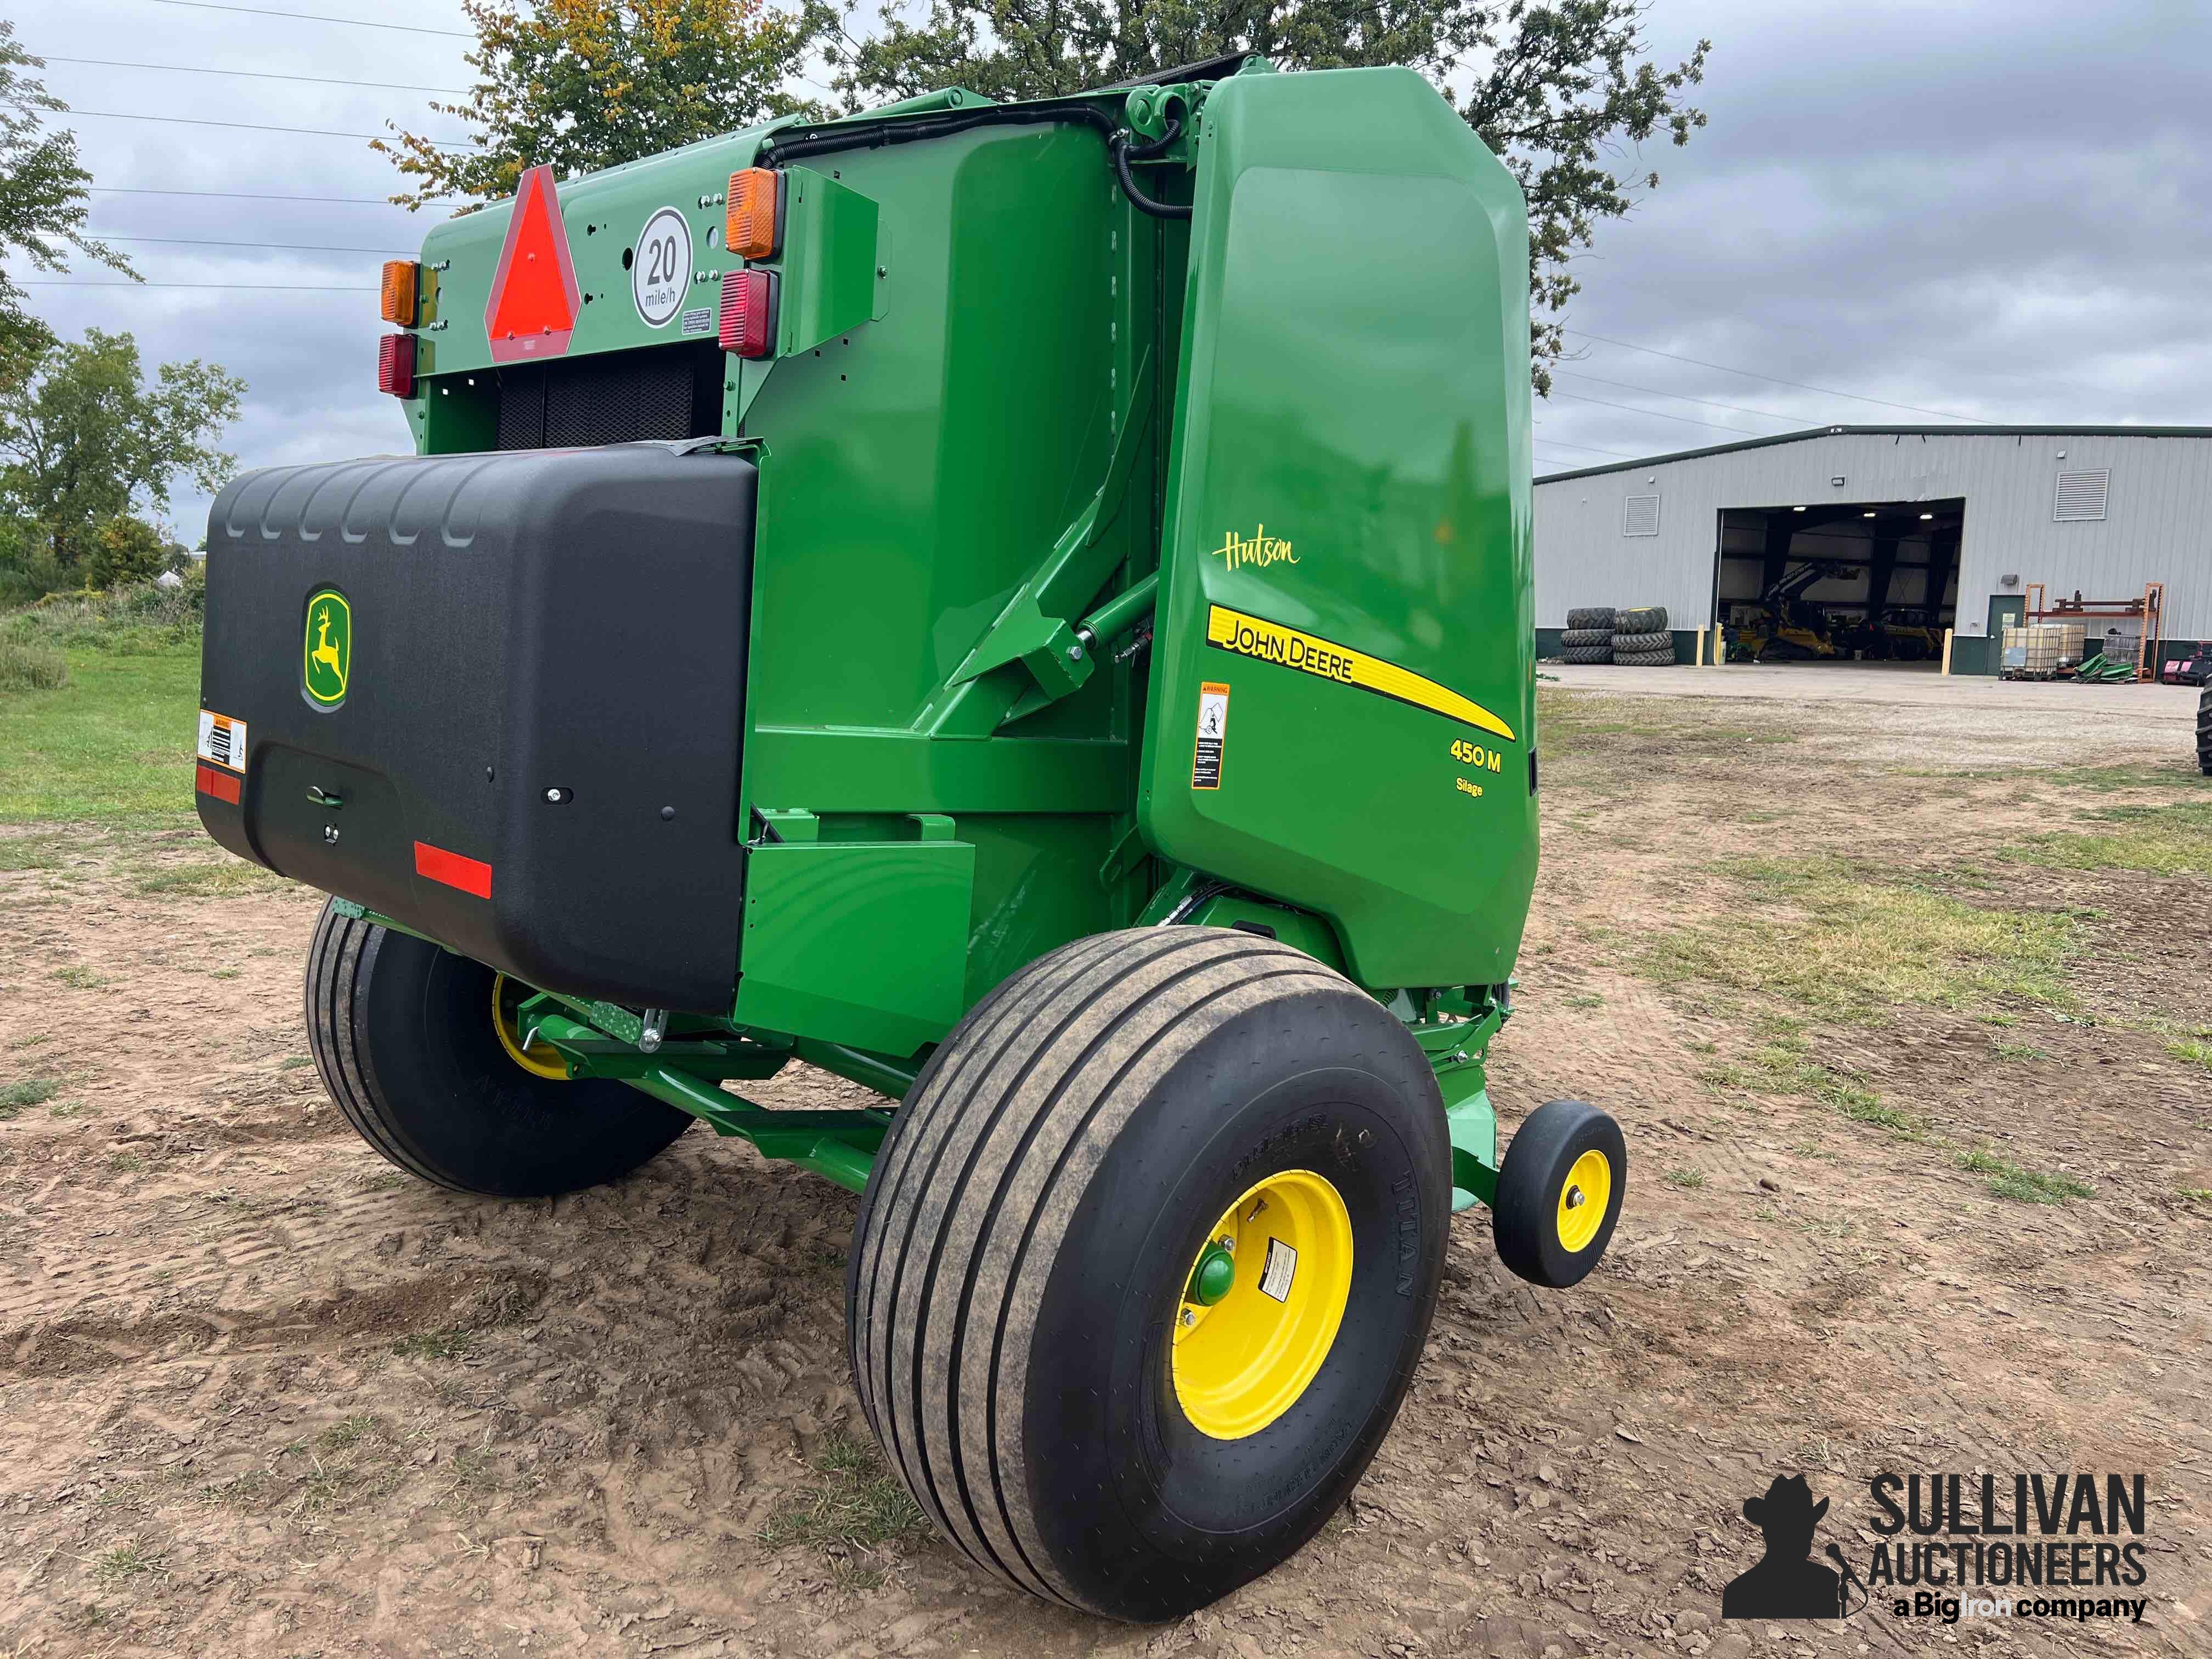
(2049, 1546)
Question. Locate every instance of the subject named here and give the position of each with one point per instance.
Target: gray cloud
(1983, 208)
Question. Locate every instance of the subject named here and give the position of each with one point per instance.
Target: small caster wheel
(1559, 1192)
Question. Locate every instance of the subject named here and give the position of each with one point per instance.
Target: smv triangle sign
(534, 296)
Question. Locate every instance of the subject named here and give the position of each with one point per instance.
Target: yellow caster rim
(539, 1059)
(1261, 1304)
(1584, 1200)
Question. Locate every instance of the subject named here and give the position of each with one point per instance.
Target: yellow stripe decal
(1252, 637)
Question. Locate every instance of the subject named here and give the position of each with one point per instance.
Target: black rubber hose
(1125, 152)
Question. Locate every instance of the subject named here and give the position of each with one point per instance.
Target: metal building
(1869, 541)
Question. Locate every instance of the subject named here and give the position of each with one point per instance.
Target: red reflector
(535, 297)
(223, 786)
(470, 875)
(395, 365)
(748, 313)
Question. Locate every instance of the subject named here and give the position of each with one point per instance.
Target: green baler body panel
(1333, 347)
(1351, 465)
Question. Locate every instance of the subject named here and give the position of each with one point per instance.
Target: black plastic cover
(544, 700)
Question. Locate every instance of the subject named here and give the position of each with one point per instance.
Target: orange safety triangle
(534, 297)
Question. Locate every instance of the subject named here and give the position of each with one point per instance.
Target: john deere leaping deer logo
(328, 654)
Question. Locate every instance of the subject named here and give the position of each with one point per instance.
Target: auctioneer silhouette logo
(1951, 1546)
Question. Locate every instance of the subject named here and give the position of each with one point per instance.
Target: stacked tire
(1589, 637)
(1640, 638)
(2204, 731)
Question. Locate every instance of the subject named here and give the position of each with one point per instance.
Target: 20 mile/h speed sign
(660, 271)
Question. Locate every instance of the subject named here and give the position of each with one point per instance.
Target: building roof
(1952, 431)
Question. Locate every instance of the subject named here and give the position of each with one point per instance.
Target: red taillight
(395, 365)
(748, 313)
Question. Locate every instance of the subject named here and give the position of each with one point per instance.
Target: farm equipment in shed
(1026, 606)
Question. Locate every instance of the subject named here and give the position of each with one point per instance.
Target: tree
(42, 202)
(585, 84)
(124, 549)
(1557, 90)
(88, 441)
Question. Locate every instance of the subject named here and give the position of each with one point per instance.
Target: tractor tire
(1644, 619)
(1577, 636)
(1559, 1192)
(1586, 653)
(1593, 616)
(1634, 642)
(409, 1039)
(1089, 1397)
(2204, 731)
(1645, 659)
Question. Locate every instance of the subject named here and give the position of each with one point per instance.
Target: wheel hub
(1584, 1198)
(1261, 1304)
(538, 1059)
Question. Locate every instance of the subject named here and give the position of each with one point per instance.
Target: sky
(1980, 210)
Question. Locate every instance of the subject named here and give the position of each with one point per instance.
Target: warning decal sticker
(1280, 1269)
(1309, 654)
(1213, 735)
(223, 740)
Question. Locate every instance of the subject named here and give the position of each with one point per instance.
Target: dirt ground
(262, 1395)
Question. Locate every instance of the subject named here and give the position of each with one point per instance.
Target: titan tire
(1637, 642)
(2204, 731)
(1559, 1190)
(1575, 636)
(1145, 1265)
(1645, 658)
(413, 1045)
(1593, 616)
(1644, 619)
(1586, 653)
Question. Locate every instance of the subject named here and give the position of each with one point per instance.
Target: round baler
(1024, 606)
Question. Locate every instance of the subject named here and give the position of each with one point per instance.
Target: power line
(251, 195)
(204, 241)
(248, 287)
(1655, 415)
(317, 17)
(1726, 368)
(249, 126)
(1561, 443)
(1655, 392)
(257, 75)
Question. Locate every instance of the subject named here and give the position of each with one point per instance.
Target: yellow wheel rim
(1583, 1200)
(539, 1059)
(1242, 1360)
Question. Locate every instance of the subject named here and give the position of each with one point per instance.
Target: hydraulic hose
(1125, 153)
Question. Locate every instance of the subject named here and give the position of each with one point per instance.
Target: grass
(1585, 1000)
(79, 979)
(207, 880)
(2019, 1051)
(114, 745)
(1833, 941)
(123, 1563)
(26, 1091)
(857, 1502)
(1688, 1180)
(2025, 1186)
(434, 1345)
(31, 665)
(2171, 840)
(1782, 1062)
(2195, 1049)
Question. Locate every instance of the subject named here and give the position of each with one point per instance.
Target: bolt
(882, 270)
(1189, 1318)
(1460, 1057)
(1228, 1242)
(1075, 654)
(331, 834)
(1575, 1199)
